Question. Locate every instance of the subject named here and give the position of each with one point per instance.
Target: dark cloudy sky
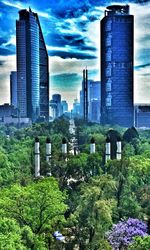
(71, 29)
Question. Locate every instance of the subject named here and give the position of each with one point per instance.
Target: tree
(10, 235)
(123, 233)
(40, 206)
(140, 243)
(94, 211)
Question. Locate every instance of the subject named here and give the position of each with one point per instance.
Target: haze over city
(72, 34)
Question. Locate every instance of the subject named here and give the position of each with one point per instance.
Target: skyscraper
(32, 67)
(117, 31)
(94, 101)
(85, 94)
(13, 88)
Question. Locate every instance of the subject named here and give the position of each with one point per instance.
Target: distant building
(21, 122)
(64, 106)
(32, 67)
(94, 101)
(84, 95)
(76, 108)
(142, 116)
(91, 104)
(81, 103)
(13, 88)
(55, 106)
(117, 48)
(7, 110)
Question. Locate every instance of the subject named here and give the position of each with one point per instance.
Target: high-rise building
(55, 106)
(117, 32)
(32, 67)
(64, 106)
(76, 108)
(94, 101)
(90, 100)
(13, 88)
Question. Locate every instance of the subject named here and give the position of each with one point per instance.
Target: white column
(37, 157)
(92, 148)
(107, 152)
(64, 148)
(118, 153)
(48, 150)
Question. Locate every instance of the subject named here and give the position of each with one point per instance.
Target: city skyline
(71, 33)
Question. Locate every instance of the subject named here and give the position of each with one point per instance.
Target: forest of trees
(102, 207)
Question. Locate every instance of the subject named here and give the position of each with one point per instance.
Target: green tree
(10, 235)
(94, 211)
(140, 243)
(40, 206)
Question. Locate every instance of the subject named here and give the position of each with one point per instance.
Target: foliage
(140, 243)
(94, 210)
(40, 206)
(98, 194)
(10, 235)
(123, 233)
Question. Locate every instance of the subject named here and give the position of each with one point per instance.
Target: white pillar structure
(92, 146)
(37, 157)
(48, 150)
(64, 146)
(64, 149)
(107, 150)
(119, 150)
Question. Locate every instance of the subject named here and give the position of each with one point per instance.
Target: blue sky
(71, 31)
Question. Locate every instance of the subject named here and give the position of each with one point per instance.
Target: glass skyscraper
(32, 67)
(117, 50)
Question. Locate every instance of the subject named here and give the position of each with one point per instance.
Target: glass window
(108, 39)
(108, 25)
(108, 85)
(108, 70)
(108, 100)
(108, 54)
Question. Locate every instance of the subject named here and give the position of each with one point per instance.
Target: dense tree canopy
(83, 198)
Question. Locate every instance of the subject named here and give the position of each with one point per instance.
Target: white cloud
(17, 5)
(9, 64)
(61, 66)
(12, 41)
(20, 6)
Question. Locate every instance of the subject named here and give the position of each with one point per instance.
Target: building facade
(13, 89)
(117, 33)
(32, 67)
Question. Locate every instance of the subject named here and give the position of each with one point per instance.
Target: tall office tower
(117, 28)
(32, 67)
(13, 88)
